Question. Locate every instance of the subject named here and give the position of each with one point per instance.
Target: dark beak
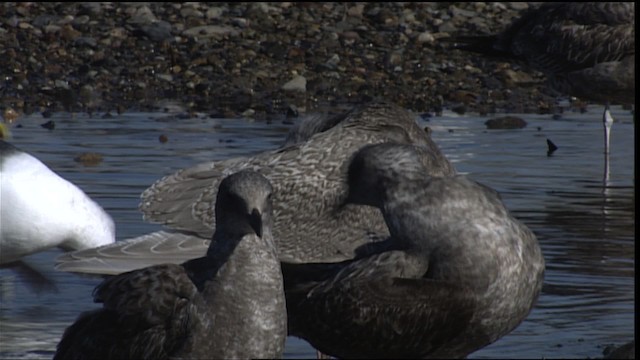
(255, 221)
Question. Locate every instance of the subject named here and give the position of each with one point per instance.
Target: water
(586, 231)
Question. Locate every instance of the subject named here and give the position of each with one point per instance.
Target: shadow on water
(586, 230)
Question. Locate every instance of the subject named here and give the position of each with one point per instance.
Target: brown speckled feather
(309, 183)
(308, 175)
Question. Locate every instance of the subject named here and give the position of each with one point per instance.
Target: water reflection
(587, 232)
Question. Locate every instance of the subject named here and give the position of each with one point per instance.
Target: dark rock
(43, 20)
(506, 122)
(85, 41)
(50, 125)
(459, 109)
(158, 31)
(551, 147)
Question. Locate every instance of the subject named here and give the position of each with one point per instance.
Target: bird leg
(607, 121)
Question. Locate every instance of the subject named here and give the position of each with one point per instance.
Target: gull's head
(243, 203)
(375, 168)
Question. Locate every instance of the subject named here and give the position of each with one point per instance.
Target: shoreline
(258, 60)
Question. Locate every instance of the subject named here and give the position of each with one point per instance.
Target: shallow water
(586, 230)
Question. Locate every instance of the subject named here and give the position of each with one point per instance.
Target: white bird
(41, 210)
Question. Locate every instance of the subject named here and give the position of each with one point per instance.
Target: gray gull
(227, 304)
(586, 49)
(309, 180)
(462, 272)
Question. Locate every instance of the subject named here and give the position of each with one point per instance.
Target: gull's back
(309, 184)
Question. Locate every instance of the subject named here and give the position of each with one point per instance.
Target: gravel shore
(256, 59)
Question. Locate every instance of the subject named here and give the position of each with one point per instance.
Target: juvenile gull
(41, 210)
(227, 304)
(586, 49)
(311, 125)
(462, 273)
(309, 180)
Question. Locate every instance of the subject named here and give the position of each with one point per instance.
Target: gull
(461, 273)
(309, 179)
(227, 304)
(40, 210)
(586, 49)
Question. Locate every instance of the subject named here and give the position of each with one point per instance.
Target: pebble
(229, 58)
(298, 83)
(205, 31)
(88, 159)
(506, 122)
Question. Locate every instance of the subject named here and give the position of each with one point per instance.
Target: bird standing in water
(41, 210)
(461, 271)
(227, 304)
(586, 49)
(309, 179)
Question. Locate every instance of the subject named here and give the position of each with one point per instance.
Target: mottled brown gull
(462, 272)
(586, 49)
(228, 304)
(309, 179)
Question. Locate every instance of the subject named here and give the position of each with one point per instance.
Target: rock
(85, 41)
(191, 12)
(88, 159)
(519, 6)
(80, 20)
(67, 32)
(43, 20)
(214, 13)
(249, 113)
(157, 31)
(356, 10)
(49, 125)
(426, 37)
(463, 96)
(333, 62)
(298, 83)
(140, 14)
(206, 54)
(207, 31)
(447, 26)
(459, 109)
(10, 115)
(93, 8)
(514, 78)
(506, 122)
(461, 12)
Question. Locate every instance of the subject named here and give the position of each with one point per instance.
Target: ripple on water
(587, 234)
